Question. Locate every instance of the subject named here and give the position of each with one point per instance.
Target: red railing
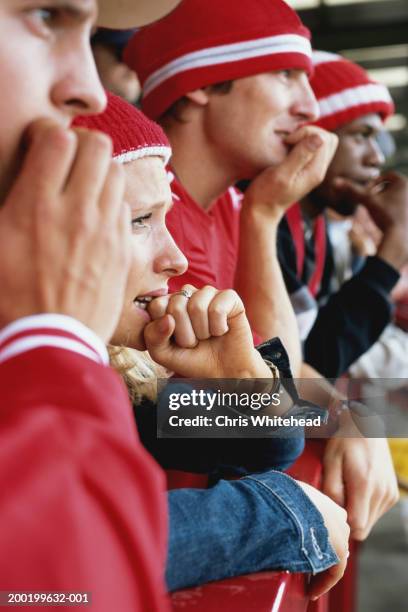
(267, 591)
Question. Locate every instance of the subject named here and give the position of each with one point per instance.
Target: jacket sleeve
(213, 456)
(227, 456)
(352, 319)
(340, 326)
(82, 504)
(260, 522)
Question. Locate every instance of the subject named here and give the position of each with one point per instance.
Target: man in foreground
(73, 470)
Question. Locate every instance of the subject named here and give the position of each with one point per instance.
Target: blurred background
(373, 33)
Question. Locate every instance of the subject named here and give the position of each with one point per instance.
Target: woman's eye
(140, 222)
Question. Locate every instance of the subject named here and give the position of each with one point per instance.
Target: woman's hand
(206, 335)
(335, 520)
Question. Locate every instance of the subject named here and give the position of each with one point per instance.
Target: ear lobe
(198, 96)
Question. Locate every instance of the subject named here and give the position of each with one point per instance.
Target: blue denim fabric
(264, 521)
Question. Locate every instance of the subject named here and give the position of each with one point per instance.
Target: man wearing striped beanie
(338, 327)
(343, 328)
(229, 83)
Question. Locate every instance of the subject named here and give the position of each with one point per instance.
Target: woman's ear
(198, 96)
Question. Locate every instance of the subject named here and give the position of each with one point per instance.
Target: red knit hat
(132, 133)
(203, 42)
(344, 91)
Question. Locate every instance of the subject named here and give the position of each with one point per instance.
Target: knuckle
(280, 181)
(175, 307)
(194, 307)
(368, 476)
(43, 209)
(343, 547)
(60, 138)
(84, 223)
(216, 310)
(116, 172)
(316, 175)
(100, 143)
(231, 294)
(157, 307)
(190, 343)
(334, 139)
(393, 496)
(342, 569)
(343, 513)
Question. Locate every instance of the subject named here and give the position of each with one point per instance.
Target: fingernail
(314, 142)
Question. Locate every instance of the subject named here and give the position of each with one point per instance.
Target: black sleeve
(352, 319)
(287, 258)
(349, 321)
(228, 456)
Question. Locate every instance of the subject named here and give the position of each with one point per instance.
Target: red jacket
(82, 505)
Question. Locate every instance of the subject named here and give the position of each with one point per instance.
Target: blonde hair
(139, 372)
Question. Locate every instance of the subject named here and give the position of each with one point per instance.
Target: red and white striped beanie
(203, 42)
(133, 135)
(345, 91)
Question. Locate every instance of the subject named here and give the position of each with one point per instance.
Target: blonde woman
(261, 521)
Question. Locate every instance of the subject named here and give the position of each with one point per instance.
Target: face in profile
(155, 256)
(249, 124)
(46, 70)
(358, 159)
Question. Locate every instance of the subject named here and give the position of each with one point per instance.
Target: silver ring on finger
(187, 293)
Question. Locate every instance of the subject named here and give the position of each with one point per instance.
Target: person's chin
(345, 207)
(130, 331)
(139, 342)
(135, 335)
(279, 150)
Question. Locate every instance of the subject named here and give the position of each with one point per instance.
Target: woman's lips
(142, 311)
(156, 293)
(141, 302)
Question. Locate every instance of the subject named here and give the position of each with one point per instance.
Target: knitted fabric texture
(132, 133)
(204, 42)
(345, 91)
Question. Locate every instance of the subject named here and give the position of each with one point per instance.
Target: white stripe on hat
(157, 151)
(323, 57)
(223, 54)
(354, 96)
